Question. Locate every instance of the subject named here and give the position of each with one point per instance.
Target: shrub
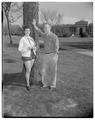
(84, 34)
(15, 30)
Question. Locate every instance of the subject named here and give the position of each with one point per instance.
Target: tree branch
(52, 17)
(14, 19)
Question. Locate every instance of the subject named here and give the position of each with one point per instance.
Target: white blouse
(25, 43)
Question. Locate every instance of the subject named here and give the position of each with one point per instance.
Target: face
(27, 31)
(47, 28)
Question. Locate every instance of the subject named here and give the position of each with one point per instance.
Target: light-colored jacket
(25, 43)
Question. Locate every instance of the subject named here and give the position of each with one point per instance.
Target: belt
(49, 53)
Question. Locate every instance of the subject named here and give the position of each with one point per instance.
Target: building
(80, 27)
(90, 29)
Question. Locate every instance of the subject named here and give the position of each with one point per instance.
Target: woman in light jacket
(27, 48)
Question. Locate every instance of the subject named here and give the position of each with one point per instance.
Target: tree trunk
(30, 12)
(9, 30)
(2, 15)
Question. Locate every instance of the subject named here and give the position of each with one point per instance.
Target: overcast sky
(72, 11)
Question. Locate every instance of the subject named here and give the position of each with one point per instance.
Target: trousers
(49, 69)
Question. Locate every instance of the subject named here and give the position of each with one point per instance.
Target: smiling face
(27, 31)
(47, 28)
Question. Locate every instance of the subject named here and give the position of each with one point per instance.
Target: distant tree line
(14, 30)
(59, 30)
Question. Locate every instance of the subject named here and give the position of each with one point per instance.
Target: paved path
(89, 53)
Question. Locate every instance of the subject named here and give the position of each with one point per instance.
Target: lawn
(73, 96)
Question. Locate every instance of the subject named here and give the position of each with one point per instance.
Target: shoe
(44, 86)
(40, 83)
(28, 88)
(31, 84)
(51, 88)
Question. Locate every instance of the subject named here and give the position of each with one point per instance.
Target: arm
(34, 49)
(33, 45)
(37, 29)
(57, 45)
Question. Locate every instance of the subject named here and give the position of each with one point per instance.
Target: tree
(52, 17)
(6, 7)
(13, 11)
(16, 11)
(30, 12)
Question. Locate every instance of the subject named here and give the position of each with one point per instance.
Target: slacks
(49, 69)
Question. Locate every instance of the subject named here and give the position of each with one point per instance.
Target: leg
(28, 66)
(44, 73)
(54, 76)
(23, 69)
(43, 76)
(54, 71)
(44, 70)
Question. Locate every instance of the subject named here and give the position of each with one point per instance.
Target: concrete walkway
(89, 53)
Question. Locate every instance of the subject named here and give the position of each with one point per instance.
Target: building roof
(81, 22)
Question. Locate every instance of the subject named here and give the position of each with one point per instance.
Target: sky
(72, 11)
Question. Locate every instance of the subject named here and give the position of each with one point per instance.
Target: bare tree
(59, 18)
(16, 11)
(30, 12)
(13, 11)
(51, 16)
(6, 8)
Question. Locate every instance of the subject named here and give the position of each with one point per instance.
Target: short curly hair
(26, 27)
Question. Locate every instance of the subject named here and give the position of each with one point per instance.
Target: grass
(73, 96)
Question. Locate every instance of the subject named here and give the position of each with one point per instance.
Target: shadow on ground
(9, 61)
(16, 79)
(18, 102)
(76, 45)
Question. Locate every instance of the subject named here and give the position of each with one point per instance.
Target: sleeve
(57, 44)
(20, 47)
(34, 48)
(32, 43)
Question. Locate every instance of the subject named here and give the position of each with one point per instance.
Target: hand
(34, 22)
